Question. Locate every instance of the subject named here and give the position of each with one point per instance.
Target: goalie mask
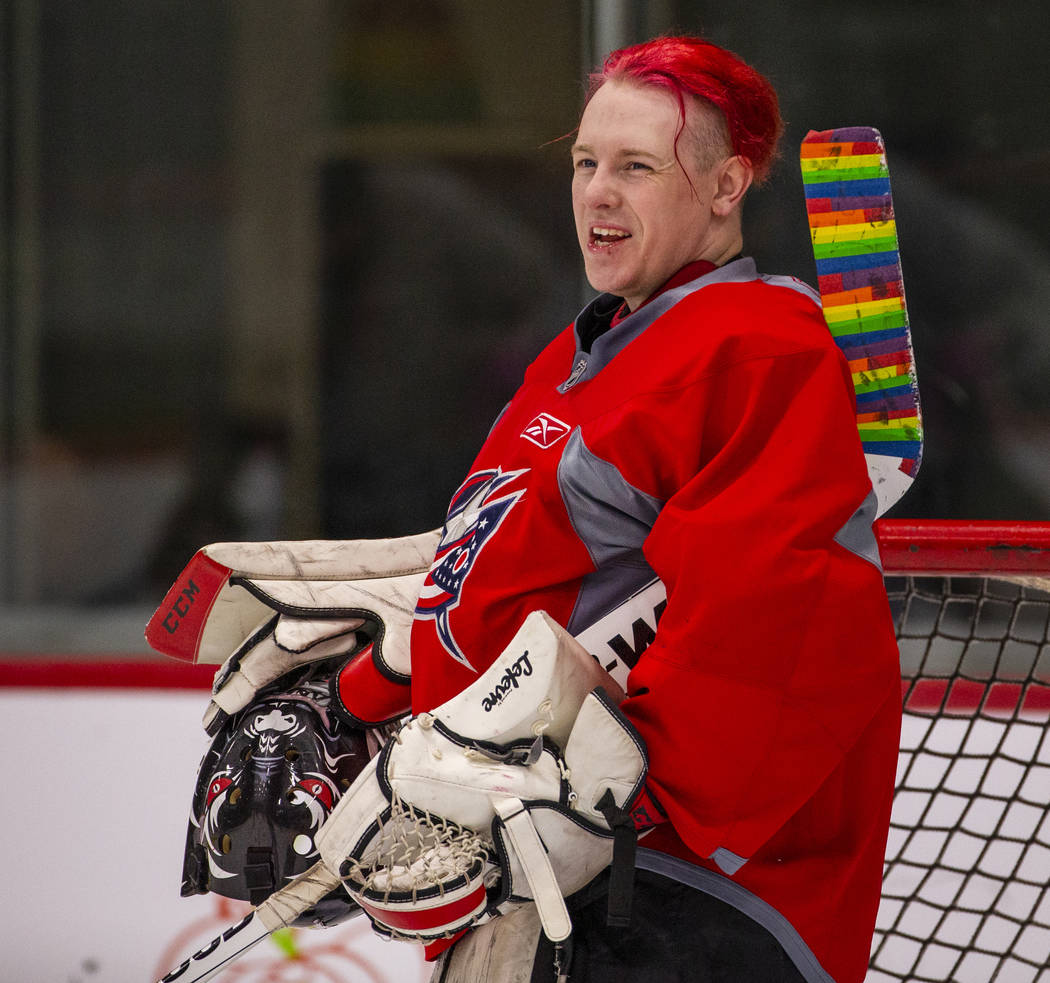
(266, 785)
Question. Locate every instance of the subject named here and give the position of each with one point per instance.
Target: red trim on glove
(416, 920)
(431, 950)
(177, 625)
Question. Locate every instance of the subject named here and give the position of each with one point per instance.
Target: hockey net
(966, 887)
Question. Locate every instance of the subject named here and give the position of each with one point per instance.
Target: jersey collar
(604, 348)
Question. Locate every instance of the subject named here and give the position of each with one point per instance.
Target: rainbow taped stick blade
(854, 235)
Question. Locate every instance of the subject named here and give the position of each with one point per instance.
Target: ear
(734, 176)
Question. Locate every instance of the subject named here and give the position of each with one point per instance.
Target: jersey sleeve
(776, 647)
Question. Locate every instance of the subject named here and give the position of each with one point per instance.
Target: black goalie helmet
(266, 785)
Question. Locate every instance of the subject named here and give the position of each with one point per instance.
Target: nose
(601, 190)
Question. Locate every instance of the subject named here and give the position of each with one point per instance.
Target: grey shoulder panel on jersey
(609, 514)
(612, 519)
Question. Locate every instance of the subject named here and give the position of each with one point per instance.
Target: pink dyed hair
(693, 67)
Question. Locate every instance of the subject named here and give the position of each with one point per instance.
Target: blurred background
(270, 269)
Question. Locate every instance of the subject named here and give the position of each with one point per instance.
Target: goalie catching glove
(503, 795)
(264, 609)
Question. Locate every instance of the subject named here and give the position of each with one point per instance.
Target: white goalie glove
(263, 609)
(498, 832)
(501, 796)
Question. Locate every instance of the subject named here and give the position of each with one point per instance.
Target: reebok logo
(545, 430)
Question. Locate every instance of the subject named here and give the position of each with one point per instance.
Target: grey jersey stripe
(727, 861)
(612, 519)
(858, 534)
(610, 515)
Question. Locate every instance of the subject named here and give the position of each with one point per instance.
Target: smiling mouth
(603, 238)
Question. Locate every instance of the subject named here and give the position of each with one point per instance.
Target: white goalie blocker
(263, 609)
(260, 610)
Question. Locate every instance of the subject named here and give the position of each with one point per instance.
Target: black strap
(621, 874)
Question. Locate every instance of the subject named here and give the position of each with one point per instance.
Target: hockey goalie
(633, 712)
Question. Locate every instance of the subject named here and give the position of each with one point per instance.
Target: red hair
(690, 66)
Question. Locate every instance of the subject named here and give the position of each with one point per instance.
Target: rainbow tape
(853, 231)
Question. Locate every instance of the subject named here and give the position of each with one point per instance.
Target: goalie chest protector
(709, 439)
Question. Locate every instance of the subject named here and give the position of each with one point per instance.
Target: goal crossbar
(985, 548)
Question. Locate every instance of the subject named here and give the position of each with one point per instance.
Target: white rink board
(95, 803)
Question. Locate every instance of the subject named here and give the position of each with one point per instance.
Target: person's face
(638, 219)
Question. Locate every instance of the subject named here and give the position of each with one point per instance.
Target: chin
(604, 283)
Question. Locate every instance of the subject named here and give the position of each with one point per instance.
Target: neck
(727, 252)
(726, 243)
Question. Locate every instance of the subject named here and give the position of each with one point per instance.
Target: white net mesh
(965, 891)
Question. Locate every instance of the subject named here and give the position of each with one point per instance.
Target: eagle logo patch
(478, 509)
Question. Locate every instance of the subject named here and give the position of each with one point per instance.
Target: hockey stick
(215, 956)
(854, 235)
(279, 910)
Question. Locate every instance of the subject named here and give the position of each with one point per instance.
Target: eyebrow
(583, 148)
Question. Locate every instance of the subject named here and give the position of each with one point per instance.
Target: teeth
(618, 233)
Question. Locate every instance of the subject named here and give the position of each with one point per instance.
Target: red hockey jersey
(708, 439)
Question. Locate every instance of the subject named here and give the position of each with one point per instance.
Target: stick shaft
(217, 955)
(280, 909)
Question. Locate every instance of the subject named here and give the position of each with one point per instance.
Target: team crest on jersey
(478, 509)
(545, 430)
